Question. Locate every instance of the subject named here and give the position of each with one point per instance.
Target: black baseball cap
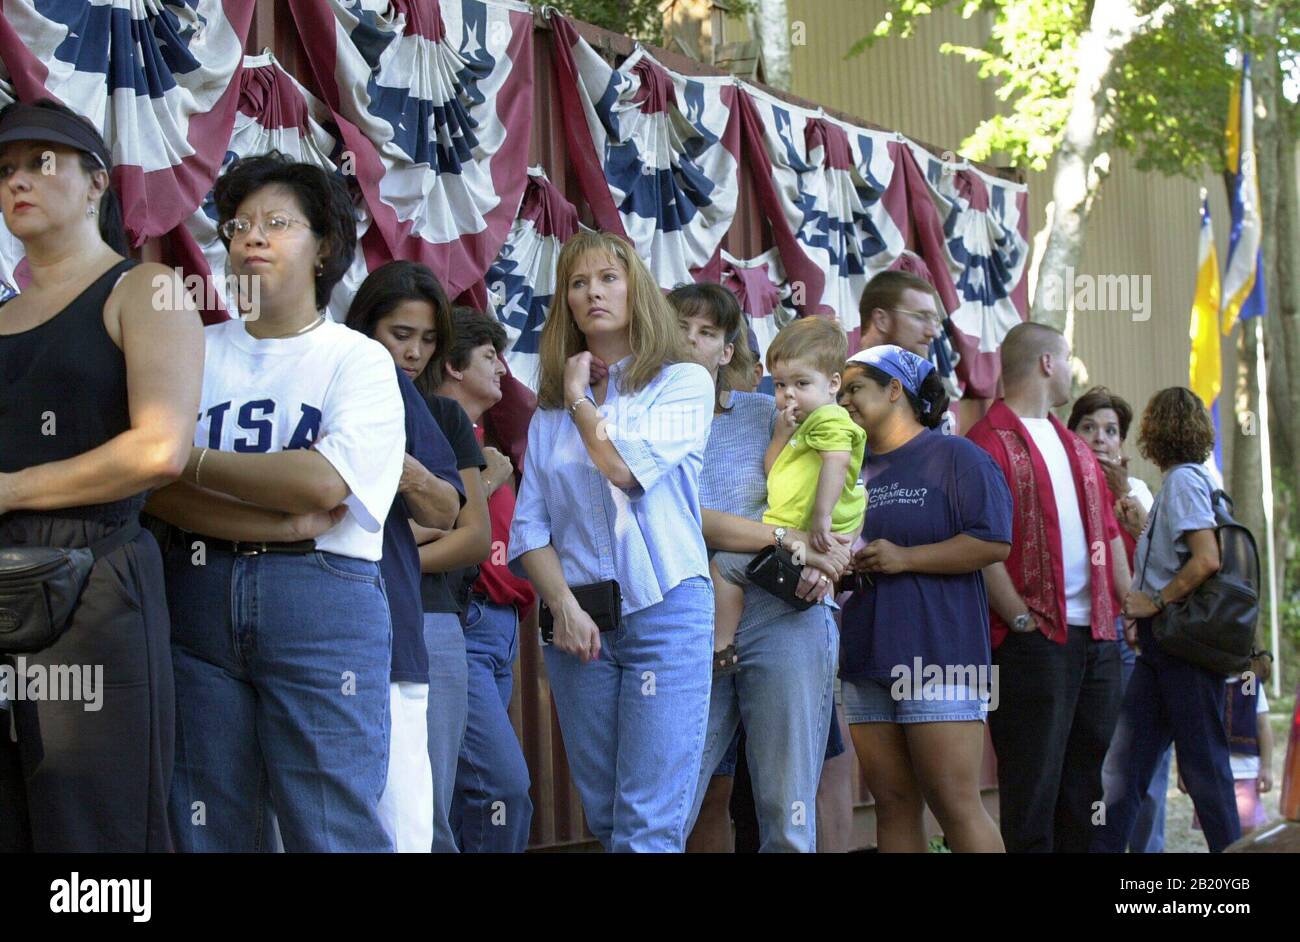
(22, 122)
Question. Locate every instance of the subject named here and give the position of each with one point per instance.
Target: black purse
(41, 585)
(1214, 626)
(602, 601)
(774, 571)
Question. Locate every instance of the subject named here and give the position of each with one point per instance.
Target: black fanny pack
(602, 601)
(774, 570)
(41, 585)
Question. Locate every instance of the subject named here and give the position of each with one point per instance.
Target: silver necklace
(300, 331)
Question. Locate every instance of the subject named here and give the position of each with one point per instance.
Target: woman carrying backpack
(1169, 699)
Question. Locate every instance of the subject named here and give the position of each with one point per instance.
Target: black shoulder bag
(41, 585)
(1214, 626)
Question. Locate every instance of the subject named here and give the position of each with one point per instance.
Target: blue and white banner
(655, 152)
(521, 282)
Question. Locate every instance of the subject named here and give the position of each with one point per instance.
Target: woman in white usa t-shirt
(280, 626)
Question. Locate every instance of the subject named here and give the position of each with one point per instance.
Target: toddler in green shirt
(812, 463)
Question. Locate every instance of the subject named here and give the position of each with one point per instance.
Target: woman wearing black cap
(101, 387)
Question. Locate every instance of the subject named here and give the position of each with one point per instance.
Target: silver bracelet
(577, 402)
(198, 466)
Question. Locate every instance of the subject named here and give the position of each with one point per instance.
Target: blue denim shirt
(647, 537)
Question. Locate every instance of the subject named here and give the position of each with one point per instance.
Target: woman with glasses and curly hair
(281, 634)
(610, 507)
(1168, 699)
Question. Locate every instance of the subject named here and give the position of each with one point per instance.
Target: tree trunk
(1268, 131)
(770, 23)
(1081, 161)
(1284, 335)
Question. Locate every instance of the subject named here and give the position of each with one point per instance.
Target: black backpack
(1214, 627)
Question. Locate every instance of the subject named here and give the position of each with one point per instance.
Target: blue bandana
(904, 365)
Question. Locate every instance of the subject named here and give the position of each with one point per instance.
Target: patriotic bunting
(846, 229)
(426, 108)
(765, 295)
(655, 152)
(160, 81)
(969, 230)
(435, 103)
(521, 282)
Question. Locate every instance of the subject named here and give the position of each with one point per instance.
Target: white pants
(406, 807)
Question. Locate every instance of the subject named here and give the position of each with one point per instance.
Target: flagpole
(1266, 460)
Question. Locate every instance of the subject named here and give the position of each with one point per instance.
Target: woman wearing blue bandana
(915, 664)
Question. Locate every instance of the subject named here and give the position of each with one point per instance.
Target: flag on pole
(1205, 371)
(1243, 277)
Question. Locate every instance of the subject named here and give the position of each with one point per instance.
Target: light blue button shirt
(647, 537)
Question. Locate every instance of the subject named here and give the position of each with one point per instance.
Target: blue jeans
(281, 666)
(448, 704)
(1171, 700)
(783, 693)
(491, 810)
(633, 720)
(1149, 831)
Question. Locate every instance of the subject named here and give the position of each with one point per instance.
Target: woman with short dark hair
(490, 811)
(281, 632)
(1169, 699)
(101, 360)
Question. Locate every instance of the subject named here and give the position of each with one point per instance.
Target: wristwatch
(779, 534)
(1023, 623)
(1157, 600)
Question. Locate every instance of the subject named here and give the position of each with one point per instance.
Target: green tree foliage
(640, 19)
(1169, 103)
(643, 20)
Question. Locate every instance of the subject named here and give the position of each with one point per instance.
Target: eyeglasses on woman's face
(276, 224)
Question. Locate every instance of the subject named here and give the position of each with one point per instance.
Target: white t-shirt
(1074, 539)
(332, 389)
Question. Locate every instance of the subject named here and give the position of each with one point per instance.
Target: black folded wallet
(602, 601)
(774, 571)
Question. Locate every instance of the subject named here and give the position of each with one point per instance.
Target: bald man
(1052, 604)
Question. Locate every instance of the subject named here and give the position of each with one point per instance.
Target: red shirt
(1036, 564)
(495, 580)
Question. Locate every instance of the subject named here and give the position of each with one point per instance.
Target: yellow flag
(1205, 371)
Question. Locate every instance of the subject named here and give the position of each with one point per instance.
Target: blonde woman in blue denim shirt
(611, 491)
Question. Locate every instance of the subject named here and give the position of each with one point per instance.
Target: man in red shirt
(1053, 605)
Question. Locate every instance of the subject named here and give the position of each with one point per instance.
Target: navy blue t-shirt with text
(929, 490)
